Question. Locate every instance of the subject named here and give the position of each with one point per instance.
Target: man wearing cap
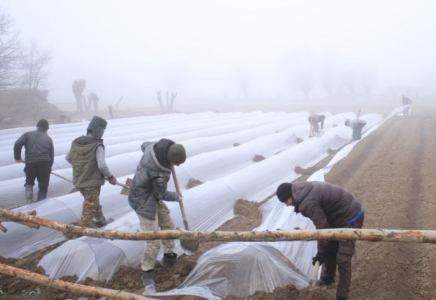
(39, 158)
(147, 192)
(89, 171)
(328, 206)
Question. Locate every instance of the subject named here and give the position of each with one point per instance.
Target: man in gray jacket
(147, 193)
(39, 158)
(328, 206)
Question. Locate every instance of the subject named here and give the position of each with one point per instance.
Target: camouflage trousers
(91, 206)
(164, 222)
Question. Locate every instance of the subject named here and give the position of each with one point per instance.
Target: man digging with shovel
(328, 206)
(147, 193)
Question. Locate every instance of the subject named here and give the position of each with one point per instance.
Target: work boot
(103, 222)
(148, 280)
(341, 298)
(169, 259)
(41, 196)
(328, 282)
(29, 193)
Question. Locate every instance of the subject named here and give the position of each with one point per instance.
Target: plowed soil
(392, 172)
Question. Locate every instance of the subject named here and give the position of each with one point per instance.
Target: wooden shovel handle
(182, 207)
(315, 273)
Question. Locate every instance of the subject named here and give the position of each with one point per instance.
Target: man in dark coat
(146, 196)
(39, 158)
(328, 206)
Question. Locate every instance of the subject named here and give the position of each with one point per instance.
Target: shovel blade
(190, 245)
(126, 191)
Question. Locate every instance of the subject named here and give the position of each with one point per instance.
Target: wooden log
(11, 219)
(374, 235)
(67, 286)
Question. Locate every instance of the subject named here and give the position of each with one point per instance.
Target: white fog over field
(233, 55)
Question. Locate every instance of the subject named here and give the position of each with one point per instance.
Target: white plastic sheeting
(129, 140)
(125, 164)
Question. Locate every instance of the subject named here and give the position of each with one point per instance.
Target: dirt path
(393, 173)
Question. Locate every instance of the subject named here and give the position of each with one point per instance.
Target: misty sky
(204, 49)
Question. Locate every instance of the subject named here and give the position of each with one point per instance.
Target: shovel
(315, 274)
(190, 245)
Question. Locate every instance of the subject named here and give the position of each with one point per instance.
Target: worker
(147, 193)
(315, 121)
(356, 126)
(406, 101)
(328, 206)
(87, 157)
(39, 158)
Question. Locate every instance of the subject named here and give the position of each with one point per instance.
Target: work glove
(319, 257)
(180, 198)
(112, 180)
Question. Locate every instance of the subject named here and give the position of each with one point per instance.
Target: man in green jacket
(89, 171)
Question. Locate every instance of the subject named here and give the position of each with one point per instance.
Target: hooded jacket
(149, 185)
(326, 204)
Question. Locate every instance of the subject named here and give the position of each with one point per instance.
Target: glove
(319, 257)
(112, 180)
(180, 198)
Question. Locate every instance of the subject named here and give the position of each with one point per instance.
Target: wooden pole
(67, 286)
(374, 235)
(9, 219)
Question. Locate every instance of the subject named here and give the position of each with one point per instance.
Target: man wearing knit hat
(328, 206)
(147, 193)
(89, 171)
(39, 158)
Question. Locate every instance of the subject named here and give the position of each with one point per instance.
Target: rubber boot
(169, 259)
(41, 196)
(29, 193)
(148, 280)
(100, 223)
(328, 282)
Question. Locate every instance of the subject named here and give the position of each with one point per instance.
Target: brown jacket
(326, 204)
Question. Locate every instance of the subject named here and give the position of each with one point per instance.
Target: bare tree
(86, 103)
(35, 64)
(173, 98)
(10, 49)
(301, 70)
(94, 99)
(349, 79)
(159, 99)
(78, 88)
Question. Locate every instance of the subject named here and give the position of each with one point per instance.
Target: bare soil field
(392, 172)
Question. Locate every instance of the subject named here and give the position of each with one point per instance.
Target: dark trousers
(357, 131)
(340, 253)
(38, 170)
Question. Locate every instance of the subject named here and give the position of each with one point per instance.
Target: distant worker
(356, 126)
(328, 206)
(406, 101)
(87, 156)
(314, 122)
(39, 158)
(147, 193)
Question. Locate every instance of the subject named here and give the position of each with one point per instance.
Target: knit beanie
(43, 124)
(284, 192)
(176, 154)
(97, 126)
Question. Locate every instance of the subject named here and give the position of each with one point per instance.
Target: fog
(244, 51)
